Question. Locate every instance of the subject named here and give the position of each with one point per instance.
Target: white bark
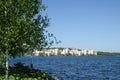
(7, 69)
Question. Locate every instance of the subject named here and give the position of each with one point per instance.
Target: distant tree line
(100, 53)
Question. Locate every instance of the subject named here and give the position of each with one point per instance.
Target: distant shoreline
(100, 53)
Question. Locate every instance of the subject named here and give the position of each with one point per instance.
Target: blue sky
(85, 24)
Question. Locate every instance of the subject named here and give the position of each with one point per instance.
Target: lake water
(76, 67)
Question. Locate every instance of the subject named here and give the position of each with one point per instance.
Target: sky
(85, 24)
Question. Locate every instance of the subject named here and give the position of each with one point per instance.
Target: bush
(21, 72)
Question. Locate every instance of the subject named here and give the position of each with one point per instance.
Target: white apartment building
(65, 51)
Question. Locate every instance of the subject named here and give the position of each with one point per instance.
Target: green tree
(22, 28)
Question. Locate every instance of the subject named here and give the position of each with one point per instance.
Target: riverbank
(21, 72)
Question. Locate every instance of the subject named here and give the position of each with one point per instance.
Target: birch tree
(22, 28)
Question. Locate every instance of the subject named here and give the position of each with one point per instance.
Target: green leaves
(21, 72)
(23, 27)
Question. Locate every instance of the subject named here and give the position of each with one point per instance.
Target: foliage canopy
(22, 27)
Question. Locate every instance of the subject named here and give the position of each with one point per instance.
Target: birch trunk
(7, 69)
(6, 54)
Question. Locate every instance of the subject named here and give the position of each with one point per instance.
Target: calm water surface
(76, 68)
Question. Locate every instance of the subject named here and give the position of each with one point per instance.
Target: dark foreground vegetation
(108, 54)
(21, 72)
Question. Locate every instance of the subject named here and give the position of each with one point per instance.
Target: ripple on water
(79, 68)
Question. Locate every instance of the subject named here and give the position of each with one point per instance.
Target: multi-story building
(65, 51)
